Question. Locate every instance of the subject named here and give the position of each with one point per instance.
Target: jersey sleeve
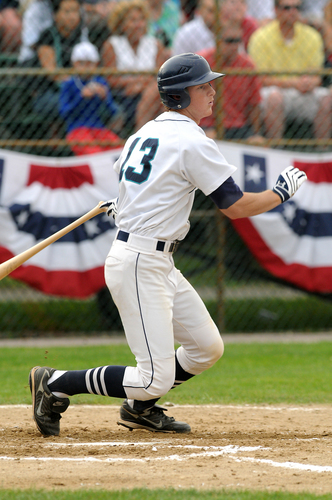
(226, 194)
(203, 164)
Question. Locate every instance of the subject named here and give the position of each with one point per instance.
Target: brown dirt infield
(238, 447)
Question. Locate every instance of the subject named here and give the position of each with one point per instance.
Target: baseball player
(159, 169)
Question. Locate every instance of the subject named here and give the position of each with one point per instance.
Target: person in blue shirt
(84, 103)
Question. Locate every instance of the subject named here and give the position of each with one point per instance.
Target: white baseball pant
(158, 308)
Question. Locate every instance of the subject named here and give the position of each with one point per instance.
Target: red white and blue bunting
(294, 241)
(38, 197)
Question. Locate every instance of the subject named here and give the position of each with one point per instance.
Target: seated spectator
(197, 34)
(38, 16)
(83, 100)
(131, 48)
(165, 17)
(287, 44)
(261, 10)
(235, 12)
(10, 26)
(54, 49)
(240, 93)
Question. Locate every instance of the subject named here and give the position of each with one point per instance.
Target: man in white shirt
(197, 35)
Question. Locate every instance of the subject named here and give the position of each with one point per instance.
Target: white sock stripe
(102, 380)
(87, 381)
(57, 374)
(95, 381)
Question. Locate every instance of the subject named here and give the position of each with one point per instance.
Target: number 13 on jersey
(139, 173)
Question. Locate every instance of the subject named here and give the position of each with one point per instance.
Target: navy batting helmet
(180, 72)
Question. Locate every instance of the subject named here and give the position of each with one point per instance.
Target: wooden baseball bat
(10, 265)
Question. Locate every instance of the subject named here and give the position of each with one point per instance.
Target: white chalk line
(159, 445)
(286, 465)
(207, 451)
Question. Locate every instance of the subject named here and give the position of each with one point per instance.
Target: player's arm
(252, 204)
(235, 204)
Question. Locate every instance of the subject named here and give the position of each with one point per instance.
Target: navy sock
(180, 377)
(180, 374)
(105, 380)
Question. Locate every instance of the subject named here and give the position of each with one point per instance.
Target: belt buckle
(174, 246)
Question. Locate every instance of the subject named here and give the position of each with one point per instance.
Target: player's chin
(208, 113)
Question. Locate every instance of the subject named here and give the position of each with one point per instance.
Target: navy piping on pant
(143, 326)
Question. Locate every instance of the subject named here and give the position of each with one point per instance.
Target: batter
(159, 170)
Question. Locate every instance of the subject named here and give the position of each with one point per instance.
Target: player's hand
(111, 207)
(289, 182)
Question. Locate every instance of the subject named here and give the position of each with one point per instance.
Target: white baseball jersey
(160, 167)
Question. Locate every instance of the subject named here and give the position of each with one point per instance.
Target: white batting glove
(289, 182)
(111, 207)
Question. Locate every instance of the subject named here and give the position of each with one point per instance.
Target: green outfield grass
(247, 373)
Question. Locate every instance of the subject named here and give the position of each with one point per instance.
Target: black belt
(124, 236)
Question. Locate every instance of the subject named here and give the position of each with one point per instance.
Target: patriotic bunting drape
(38, 197)
(294, 241)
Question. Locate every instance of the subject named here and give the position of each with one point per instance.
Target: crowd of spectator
(276, 36)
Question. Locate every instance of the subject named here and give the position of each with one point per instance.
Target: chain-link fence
(62, 103)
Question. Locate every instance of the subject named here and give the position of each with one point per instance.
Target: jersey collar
(173, 116)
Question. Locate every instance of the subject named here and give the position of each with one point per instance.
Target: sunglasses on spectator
(231, 40)
(289, 7)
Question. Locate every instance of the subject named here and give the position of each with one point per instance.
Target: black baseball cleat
(46, 407)
(153, 419)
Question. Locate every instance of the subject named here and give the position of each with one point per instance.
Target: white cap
(85, 51)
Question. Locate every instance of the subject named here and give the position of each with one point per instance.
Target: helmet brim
(206, 78)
